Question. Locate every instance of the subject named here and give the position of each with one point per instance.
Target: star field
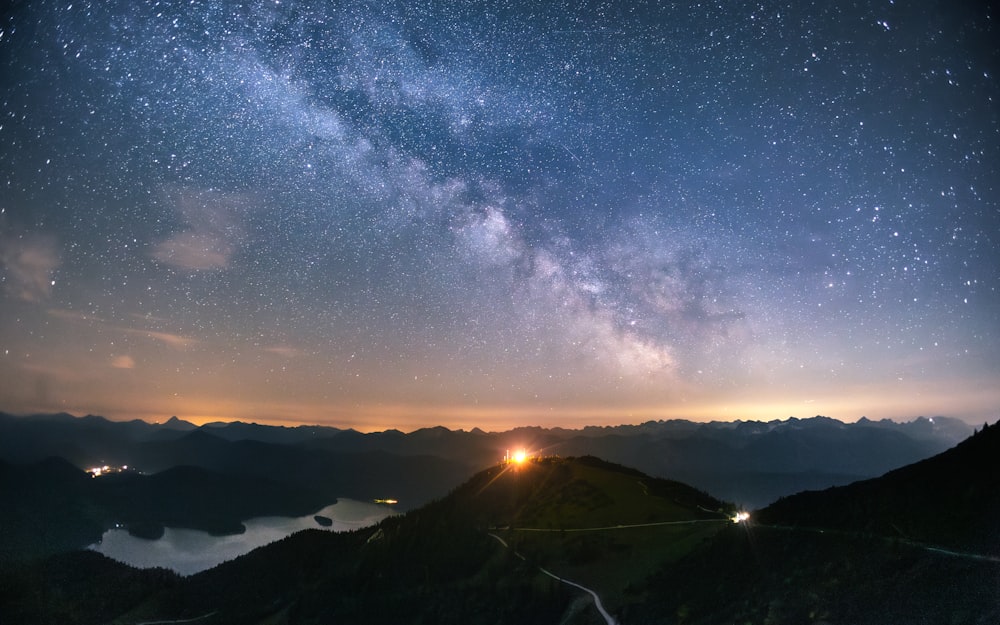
(497, 213)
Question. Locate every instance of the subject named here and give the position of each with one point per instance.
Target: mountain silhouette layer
(503, 546)
(751, 462)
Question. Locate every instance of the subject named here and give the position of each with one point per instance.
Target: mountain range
(536, 541)
(751, 462)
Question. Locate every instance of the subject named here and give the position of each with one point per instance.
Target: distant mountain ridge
(752, 462)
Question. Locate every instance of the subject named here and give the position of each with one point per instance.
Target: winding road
(610, 620)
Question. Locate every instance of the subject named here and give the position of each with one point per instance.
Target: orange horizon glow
(501, 419)
(498, 420)
(848, 407)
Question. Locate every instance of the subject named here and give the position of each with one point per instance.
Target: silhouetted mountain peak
(437, 430)
(57, 417)
(173, 423)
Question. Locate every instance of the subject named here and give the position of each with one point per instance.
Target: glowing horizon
(497, 423)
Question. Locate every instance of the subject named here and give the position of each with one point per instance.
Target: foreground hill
(471, 557)
(918, 545)
(951, 500)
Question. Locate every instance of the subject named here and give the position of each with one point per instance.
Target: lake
(191, 551)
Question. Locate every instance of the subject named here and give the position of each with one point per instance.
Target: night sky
(401, 214)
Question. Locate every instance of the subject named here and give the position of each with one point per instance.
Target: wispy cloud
(28, 261)
(287, 352)
(194, 250)
(174, 340)
(72, 315)
(123, 362)
(213, 229)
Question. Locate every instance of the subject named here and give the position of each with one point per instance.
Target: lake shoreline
(187, 551)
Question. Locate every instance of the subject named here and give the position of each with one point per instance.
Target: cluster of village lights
(106, 469)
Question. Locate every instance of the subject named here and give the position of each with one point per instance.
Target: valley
(540, 538)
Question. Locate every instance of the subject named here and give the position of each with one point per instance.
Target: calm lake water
(190, 551)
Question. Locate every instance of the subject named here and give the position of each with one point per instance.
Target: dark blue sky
(485, 214)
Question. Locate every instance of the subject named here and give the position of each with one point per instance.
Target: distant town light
(741, 517)
(106, 469)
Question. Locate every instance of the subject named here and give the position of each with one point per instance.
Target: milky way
(477, 213)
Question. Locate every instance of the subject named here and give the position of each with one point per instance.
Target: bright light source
(520, 456)
(741, 517)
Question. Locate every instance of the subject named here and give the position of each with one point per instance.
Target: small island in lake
(325, 521)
